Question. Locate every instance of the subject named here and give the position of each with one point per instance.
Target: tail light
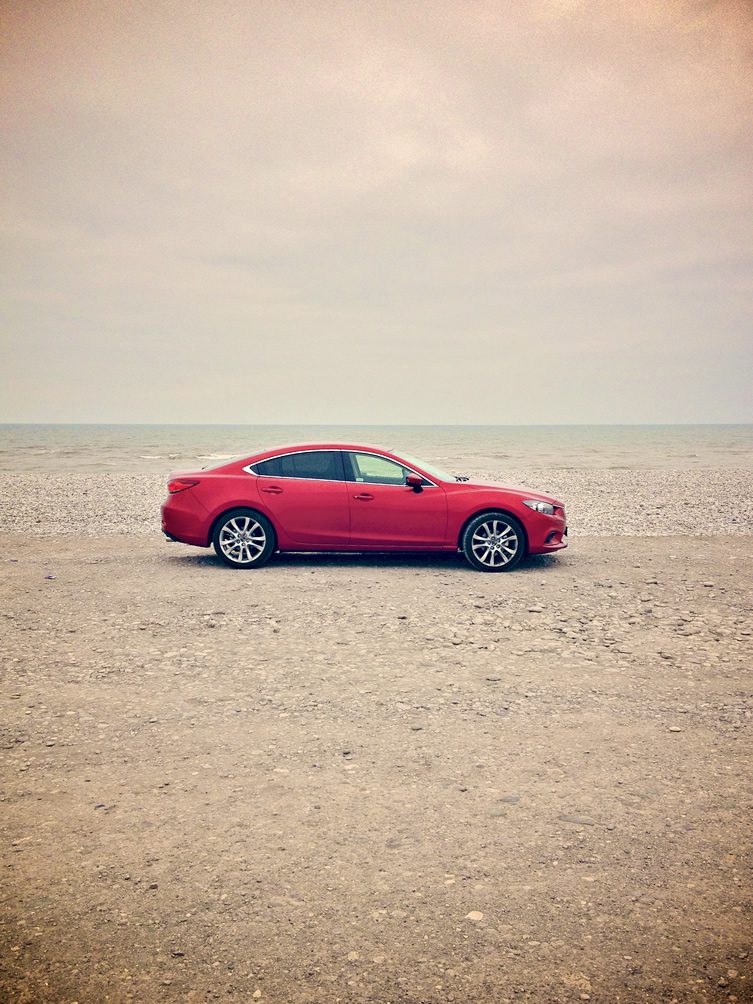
(180, 485)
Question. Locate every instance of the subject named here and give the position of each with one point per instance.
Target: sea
(162, 448)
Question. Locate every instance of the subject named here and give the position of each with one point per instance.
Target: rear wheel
(493, 542)
(243, 538)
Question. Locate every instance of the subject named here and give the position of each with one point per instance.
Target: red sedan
(335, 497)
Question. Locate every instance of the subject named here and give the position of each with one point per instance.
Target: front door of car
(385, 512)
(307, 497)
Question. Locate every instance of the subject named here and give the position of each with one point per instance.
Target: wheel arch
(490, 510)
(244, 508)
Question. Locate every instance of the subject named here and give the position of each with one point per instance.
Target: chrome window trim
(337, 481)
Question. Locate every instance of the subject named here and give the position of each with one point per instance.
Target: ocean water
(162, 448)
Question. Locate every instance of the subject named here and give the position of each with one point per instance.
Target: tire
(243, 538)
(506, 547)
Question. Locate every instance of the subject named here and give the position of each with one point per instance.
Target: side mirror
(415, 481)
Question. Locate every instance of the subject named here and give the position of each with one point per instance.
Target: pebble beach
(373, 779)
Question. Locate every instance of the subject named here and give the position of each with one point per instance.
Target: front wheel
(493, 542)
(243, 538)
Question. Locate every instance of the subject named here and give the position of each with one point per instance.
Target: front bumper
(554, 541)
(546, 533)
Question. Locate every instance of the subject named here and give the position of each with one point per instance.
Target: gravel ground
(387, 780)
(600, 503)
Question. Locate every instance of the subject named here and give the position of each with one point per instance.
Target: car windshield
(433, 472)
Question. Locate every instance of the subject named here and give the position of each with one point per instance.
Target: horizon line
(396, 425)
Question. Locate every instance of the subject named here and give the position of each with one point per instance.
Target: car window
(374, 470)
(268, 468)
(320, 465)
(316, 465)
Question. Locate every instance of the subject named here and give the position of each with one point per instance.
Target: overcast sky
(371, 212)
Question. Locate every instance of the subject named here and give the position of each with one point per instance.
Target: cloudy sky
(386, 211)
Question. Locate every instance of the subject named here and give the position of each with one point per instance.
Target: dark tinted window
(318, 465)
(322, 465)
(269, 468)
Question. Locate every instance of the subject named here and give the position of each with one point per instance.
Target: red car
(335, 497)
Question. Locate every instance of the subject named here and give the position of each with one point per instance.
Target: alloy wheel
(242, 539)
(495, 543)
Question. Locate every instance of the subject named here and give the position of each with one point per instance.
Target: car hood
(521, 490)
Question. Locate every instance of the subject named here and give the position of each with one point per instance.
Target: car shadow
(454, 562)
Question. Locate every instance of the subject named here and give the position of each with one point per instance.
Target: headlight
(545, 507)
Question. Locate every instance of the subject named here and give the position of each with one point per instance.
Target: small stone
(510, 799)
(354, 956)
(675, 728)
(152, 885)
(474, 915)
(535, 610)
(708, 585)
(416, 728)
(256, 994)
(578, 820)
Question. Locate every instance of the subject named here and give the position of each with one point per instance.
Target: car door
(307, 497)
(385, 512)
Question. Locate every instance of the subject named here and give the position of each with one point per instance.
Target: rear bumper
(182, 523)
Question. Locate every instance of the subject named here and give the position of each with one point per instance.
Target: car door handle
(363, 497)
(273, 490)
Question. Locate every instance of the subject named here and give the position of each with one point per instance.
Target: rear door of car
(307, 496)
(385, 512)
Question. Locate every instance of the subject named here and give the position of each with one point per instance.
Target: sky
(412, 211)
